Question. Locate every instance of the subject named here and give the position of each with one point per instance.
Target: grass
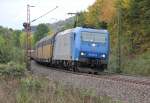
(132, 64)
(138, 65)
(40, 90)
(12, 69)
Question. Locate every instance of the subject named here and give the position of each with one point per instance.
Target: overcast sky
(13, 12)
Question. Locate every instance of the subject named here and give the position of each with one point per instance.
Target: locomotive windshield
(93, 37)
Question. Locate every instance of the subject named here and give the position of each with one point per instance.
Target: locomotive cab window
(93, 37)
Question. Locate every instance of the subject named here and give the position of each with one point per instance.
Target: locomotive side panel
(62, 46)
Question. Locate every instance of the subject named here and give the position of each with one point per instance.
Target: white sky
(13, 12)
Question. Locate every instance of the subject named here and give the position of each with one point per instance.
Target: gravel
(118, 90)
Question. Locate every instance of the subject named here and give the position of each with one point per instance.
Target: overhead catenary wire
(44, 14)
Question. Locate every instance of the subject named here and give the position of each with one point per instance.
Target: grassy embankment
(132, 64)
(17, 86)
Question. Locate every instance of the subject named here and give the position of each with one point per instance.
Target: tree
(99, 14)
(42, 30)
(16, 38)
(6, 45)
(92, 16)
(137, 20)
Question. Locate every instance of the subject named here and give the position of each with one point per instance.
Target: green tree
(16, 38)
(10, 46)
(42, 30)
(136, 22)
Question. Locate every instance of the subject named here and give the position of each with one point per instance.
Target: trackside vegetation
(11, 53)
(33, 89)
(12, 70)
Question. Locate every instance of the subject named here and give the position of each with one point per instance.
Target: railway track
(131, 89)
(113, 77)
(110, 76)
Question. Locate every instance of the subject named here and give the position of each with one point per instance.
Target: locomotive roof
(91, 29)
(80, 29)
(71, 30)
(66, 31)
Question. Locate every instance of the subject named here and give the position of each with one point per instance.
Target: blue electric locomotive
(79, 46)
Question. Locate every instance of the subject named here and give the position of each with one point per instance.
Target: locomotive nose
(89, 50)
(93, 50)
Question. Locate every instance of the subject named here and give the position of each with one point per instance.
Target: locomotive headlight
(82, 53)
(103, 55)
(93, 44)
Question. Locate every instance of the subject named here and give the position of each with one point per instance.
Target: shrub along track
(131, 89)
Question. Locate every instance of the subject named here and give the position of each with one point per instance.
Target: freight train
(75, 47)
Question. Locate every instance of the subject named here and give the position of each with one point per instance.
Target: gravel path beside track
(118, 90)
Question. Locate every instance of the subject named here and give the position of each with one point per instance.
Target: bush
(12, 70)
(139, 65)
(31, 83)
(17, 55)
(28, 86)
